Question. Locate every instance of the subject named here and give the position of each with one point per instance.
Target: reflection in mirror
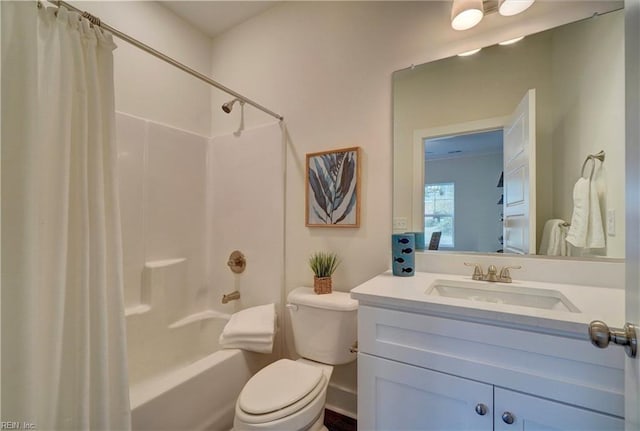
(458, 172)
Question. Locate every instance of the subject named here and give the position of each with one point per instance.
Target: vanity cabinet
(425, 372)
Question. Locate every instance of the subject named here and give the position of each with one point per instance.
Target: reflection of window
(438, 211)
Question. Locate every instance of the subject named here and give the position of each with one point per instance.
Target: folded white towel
(251, 329)
(252, 347)
(553, 241)
(586, 222)
(253, 321)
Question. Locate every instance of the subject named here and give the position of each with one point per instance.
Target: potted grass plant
(323, 265)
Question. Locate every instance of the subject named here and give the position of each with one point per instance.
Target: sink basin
(546, 299)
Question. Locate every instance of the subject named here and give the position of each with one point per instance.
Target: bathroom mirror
(451, 117)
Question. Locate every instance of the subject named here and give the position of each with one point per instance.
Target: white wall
(477, 224)
(147, 87)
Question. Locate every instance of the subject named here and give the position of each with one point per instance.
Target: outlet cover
(400, 223)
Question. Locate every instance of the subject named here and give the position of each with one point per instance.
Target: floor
(337, 422)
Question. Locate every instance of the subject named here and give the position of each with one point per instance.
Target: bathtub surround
(175, 206)
(63, 332)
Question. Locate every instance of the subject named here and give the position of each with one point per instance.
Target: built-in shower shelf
(196, 317)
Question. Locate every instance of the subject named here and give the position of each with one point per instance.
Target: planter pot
(322, 285)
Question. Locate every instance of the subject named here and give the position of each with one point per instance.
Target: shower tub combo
(179, 377)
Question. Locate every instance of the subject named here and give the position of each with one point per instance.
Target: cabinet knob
(481, 409)
(508, 418)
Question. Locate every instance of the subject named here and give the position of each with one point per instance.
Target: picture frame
(332, 188)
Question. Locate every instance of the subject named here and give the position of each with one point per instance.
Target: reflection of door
(520, 178)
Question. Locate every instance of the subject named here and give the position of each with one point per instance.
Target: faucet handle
(477, 271)
(505, 275)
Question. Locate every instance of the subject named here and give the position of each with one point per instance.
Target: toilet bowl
(290, 395)
(286, 395)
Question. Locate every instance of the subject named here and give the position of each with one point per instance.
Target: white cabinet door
(396, 396)
(530, 413)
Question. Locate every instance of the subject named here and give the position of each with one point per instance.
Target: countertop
(409, 294)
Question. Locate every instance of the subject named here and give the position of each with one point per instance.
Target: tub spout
(230, 296)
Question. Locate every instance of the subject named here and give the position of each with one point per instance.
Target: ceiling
(473, 144)
(215, 17)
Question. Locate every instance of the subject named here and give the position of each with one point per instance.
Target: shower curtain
(63, 329)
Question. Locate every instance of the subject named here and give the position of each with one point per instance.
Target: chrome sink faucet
(492, 273)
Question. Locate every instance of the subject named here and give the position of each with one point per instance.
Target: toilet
(290, 395)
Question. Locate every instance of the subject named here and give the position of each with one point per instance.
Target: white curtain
(63, 328)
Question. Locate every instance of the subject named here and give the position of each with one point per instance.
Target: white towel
(265, 347)
(251, 329)
(553, 241)
(586, 222)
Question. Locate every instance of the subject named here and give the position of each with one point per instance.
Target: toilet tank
(324, 326)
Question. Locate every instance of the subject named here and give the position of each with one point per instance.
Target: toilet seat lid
(278, 385)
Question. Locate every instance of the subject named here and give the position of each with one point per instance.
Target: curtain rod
(96, 21)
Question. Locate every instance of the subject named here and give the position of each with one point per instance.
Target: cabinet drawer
(560, 368)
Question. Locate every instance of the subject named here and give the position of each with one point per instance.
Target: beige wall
(589, 62)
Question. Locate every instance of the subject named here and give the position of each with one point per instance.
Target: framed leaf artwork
(333, 188)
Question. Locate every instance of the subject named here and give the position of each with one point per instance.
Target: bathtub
(199, 396)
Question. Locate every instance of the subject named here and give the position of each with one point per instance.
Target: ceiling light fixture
(466, 14)
(468, 53)
(511, 41)
(513, 7)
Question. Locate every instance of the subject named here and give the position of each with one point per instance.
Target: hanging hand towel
(553, 241)
(595, 231)
(251, 329)
(586, 222)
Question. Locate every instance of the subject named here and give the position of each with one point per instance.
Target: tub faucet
(230, 296)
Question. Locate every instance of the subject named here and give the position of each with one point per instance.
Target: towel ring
(592, 157)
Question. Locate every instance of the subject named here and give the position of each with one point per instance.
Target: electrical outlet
(611, 222)
(400, 223)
